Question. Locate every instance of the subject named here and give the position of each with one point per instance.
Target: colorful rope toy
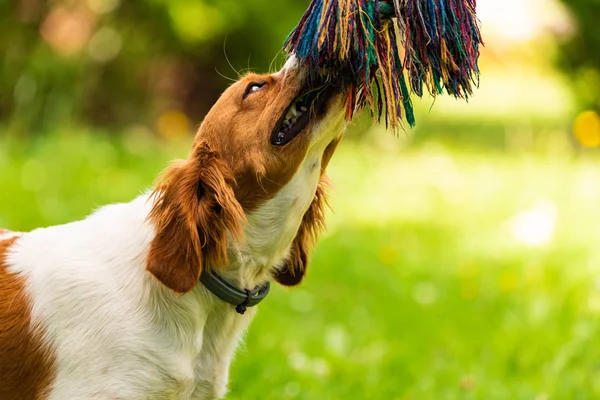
(379, 45)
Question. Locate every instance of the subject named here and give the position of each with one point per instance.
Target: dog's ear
(294, 268)
(193, 213)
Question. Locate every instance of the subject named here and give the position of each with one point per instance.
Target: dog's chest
(172, 347)
(195, 348)
(182, 353)
(199, 362)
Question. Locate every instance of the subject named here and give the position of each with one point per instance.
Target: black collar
(229, 293)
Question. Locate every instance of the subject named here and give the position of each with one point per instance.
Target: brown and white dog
(111, 307)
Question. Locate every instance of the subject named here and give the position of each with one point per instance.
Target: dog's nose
(292, 68)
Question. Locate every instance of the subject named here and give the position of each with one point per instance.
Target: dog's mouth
(309, 105)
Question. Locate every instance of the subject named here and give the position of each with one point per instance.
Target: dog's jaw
(272, 227)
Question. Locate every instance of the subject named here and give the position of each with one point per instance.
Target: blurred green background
(462, 260)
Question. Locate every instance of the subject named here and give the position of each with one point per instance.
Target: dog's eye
(253, 88)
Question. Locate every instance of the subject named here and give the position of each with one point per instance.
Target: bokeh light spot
(586, 129)
(298, 361)
(467, 382)
(173, 125)
(425, 293)
(67, 31)
(292, 389)
(186, 14)
(103, 6)
(535, 227)
(336, 339)
(105, 45)
(320, 367)
(138, 140)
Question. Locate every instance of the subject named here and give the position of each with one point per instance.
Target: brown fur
(195, 209)
(26, 369)
(240, 130)
(232, 170)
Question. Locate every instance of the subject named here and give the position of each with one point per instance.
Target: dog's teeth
(293, 115)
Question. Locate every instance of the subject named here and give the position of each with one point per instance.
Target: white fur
(116, 332)
(7, 234)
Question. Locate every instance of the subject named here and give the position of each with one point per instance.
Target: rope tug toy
(360, 40)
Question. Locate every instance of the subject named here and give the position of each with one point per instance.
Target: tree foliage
(111, 62)
(580, 55)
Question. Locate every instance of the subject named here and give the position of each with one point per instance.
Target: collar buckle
(241, 308)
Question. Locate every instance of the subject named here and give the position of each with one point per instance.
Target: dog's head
(258, 156)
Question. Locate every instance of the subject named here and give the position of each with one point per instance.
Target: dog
(149, 299)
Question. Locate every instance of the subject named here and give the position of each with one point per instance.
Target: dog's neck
(272, 227)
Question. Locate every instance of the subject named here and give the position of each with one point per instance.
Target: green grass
(423, 288)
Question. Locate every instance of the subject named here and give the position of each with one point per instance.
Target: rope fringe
(383, 47)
